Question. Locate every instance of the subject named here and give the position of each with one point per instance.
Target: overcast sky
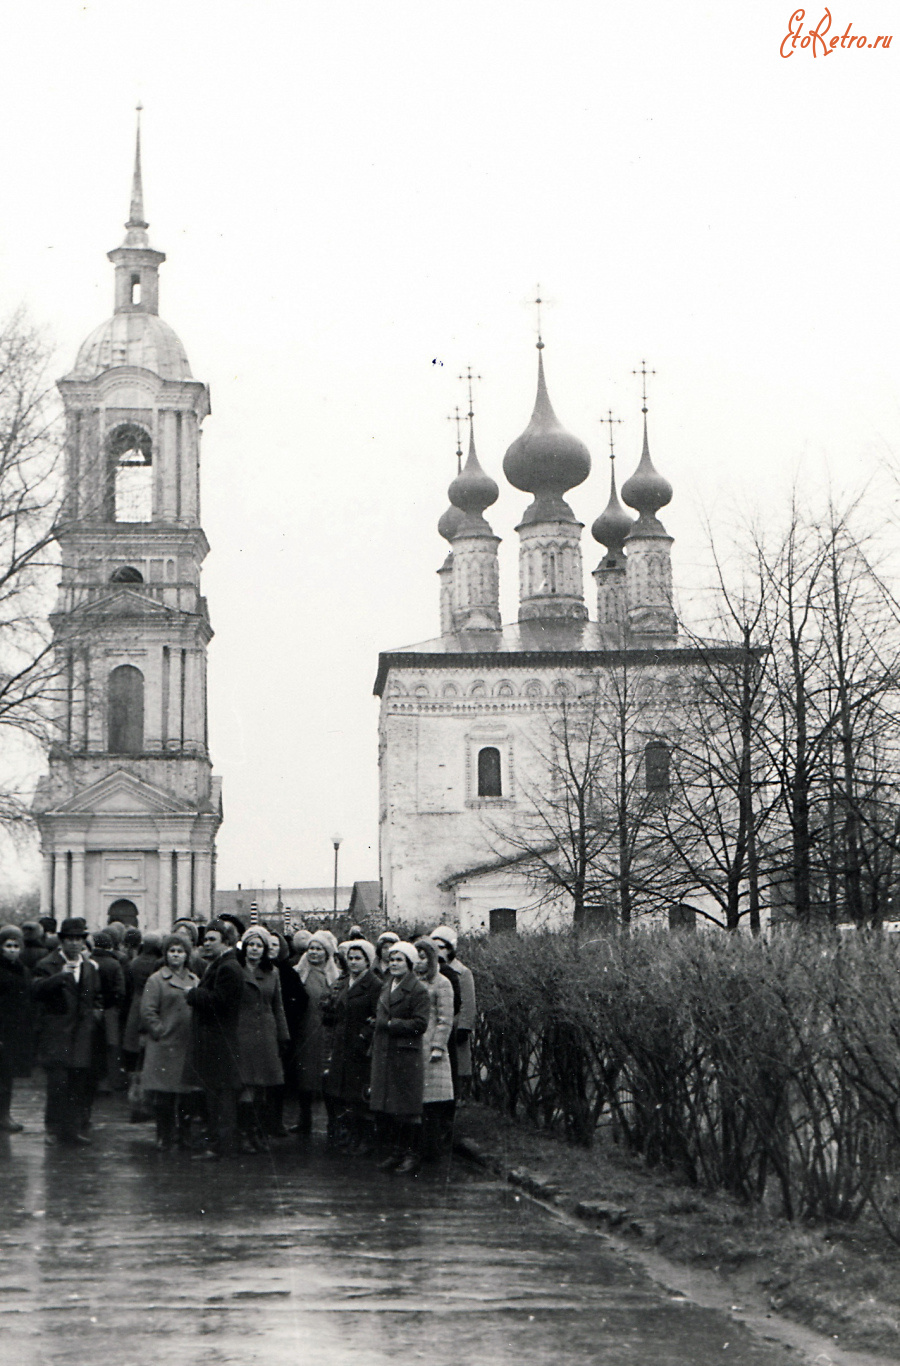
(357, 200)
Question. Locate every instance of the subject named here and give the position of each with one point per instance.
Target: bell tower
(129, 810)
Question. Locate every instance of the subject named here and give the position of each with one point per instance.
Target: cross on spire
(470, 380)
(456, 416)
(644, 372)
(537, 303)
(612, 422)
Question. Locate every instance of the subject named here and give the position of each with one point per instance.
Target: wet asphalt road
(118, 1256)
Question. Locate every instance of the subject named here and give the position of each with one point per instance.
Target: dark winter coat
(294, 999)
(166, 1024)
(68, 1011)
(16, 1019)
(397, 1068)
(139, 971)
(261, 1028)
(213, 1054)
(350, 1010)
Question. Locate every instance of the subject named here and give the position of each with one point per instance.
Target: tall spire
(136, 227)
(136, 217)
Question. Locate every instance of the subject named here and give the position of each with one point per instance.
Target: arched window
(489, 783)
(125, 710)
(503, 920)
(656, 766)
(131, 464)
(126, 573)
(124, 911)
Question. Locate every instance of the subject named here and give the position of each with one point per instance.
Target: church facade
(467, 718)
(129, 810)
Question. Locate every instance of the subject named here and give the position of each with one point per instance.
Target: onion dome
(450, 522)
(546, 460)
(647, 491)
(472, 491)
(614, 523)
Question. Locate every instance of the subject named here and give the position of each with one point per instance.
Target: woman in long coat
(16, 1021)
(166, 1023)
(262, 1033)
(318, 972)
(294, 1001)
(438, 1102)
(398, 1081)
(350, 1011)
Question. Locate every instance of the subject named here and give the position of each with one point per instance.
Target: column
(164, 890)
(46, 884)
(78, 882)
(183, 906)
(60, 886)
(203, 885)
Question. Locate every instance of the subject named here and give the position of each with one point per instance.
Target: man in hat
(70, 1005)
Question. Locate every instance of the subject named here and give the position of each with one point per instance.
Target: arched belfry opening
(130, 452)
(126, 573)
(125, 710)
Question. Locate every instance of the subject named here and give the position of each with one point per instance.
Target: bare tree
(30, 469)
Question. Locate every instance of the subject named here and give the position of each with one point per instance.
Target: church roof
(530, 644)
(140, 339)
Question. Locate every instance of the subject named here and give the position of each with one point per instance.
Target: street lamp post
(336, 841)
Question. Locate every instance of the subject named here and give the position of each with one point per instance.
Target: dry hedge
(749, 1065)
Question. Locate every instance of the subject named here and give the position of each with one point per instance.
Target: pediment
(121, 794)
(128, 602)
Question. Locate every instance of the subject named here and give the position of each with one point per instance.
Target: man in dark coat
(16, 1021)
(67, 990)
(213, 1055)
(112, 986)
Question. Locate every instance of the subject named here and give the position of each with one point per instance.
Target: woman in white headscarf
(318, 972)
(397, 1069)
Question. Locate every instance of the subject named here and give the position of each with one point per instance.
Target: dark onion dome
(546, 460)
(472, 490)
(614, 523)
(450, 523)
(647, 491)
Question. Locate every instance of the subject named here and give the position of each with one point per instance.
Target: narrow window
(656, 766)
(503, 920)
(552, 572)
(125, 710)
(489, 784)
(135, 289)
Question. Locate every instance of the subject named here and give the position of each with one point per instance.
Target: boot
(410, 1162)
(7, 1124)
(247, 1138)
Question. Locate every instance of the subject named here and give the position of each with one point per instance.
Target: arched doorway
(124, 911)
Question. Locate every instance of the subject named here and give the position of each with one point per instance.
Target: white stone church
(464, 717)
(129, 810)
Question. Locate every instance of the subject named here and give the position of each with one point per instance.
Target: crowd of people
(220, 1033)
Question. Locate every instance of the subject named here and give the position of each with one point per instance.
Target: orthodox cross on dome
(470, 379)
(612, 422)
(644, 372)
(456, 416)
(537, 303)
